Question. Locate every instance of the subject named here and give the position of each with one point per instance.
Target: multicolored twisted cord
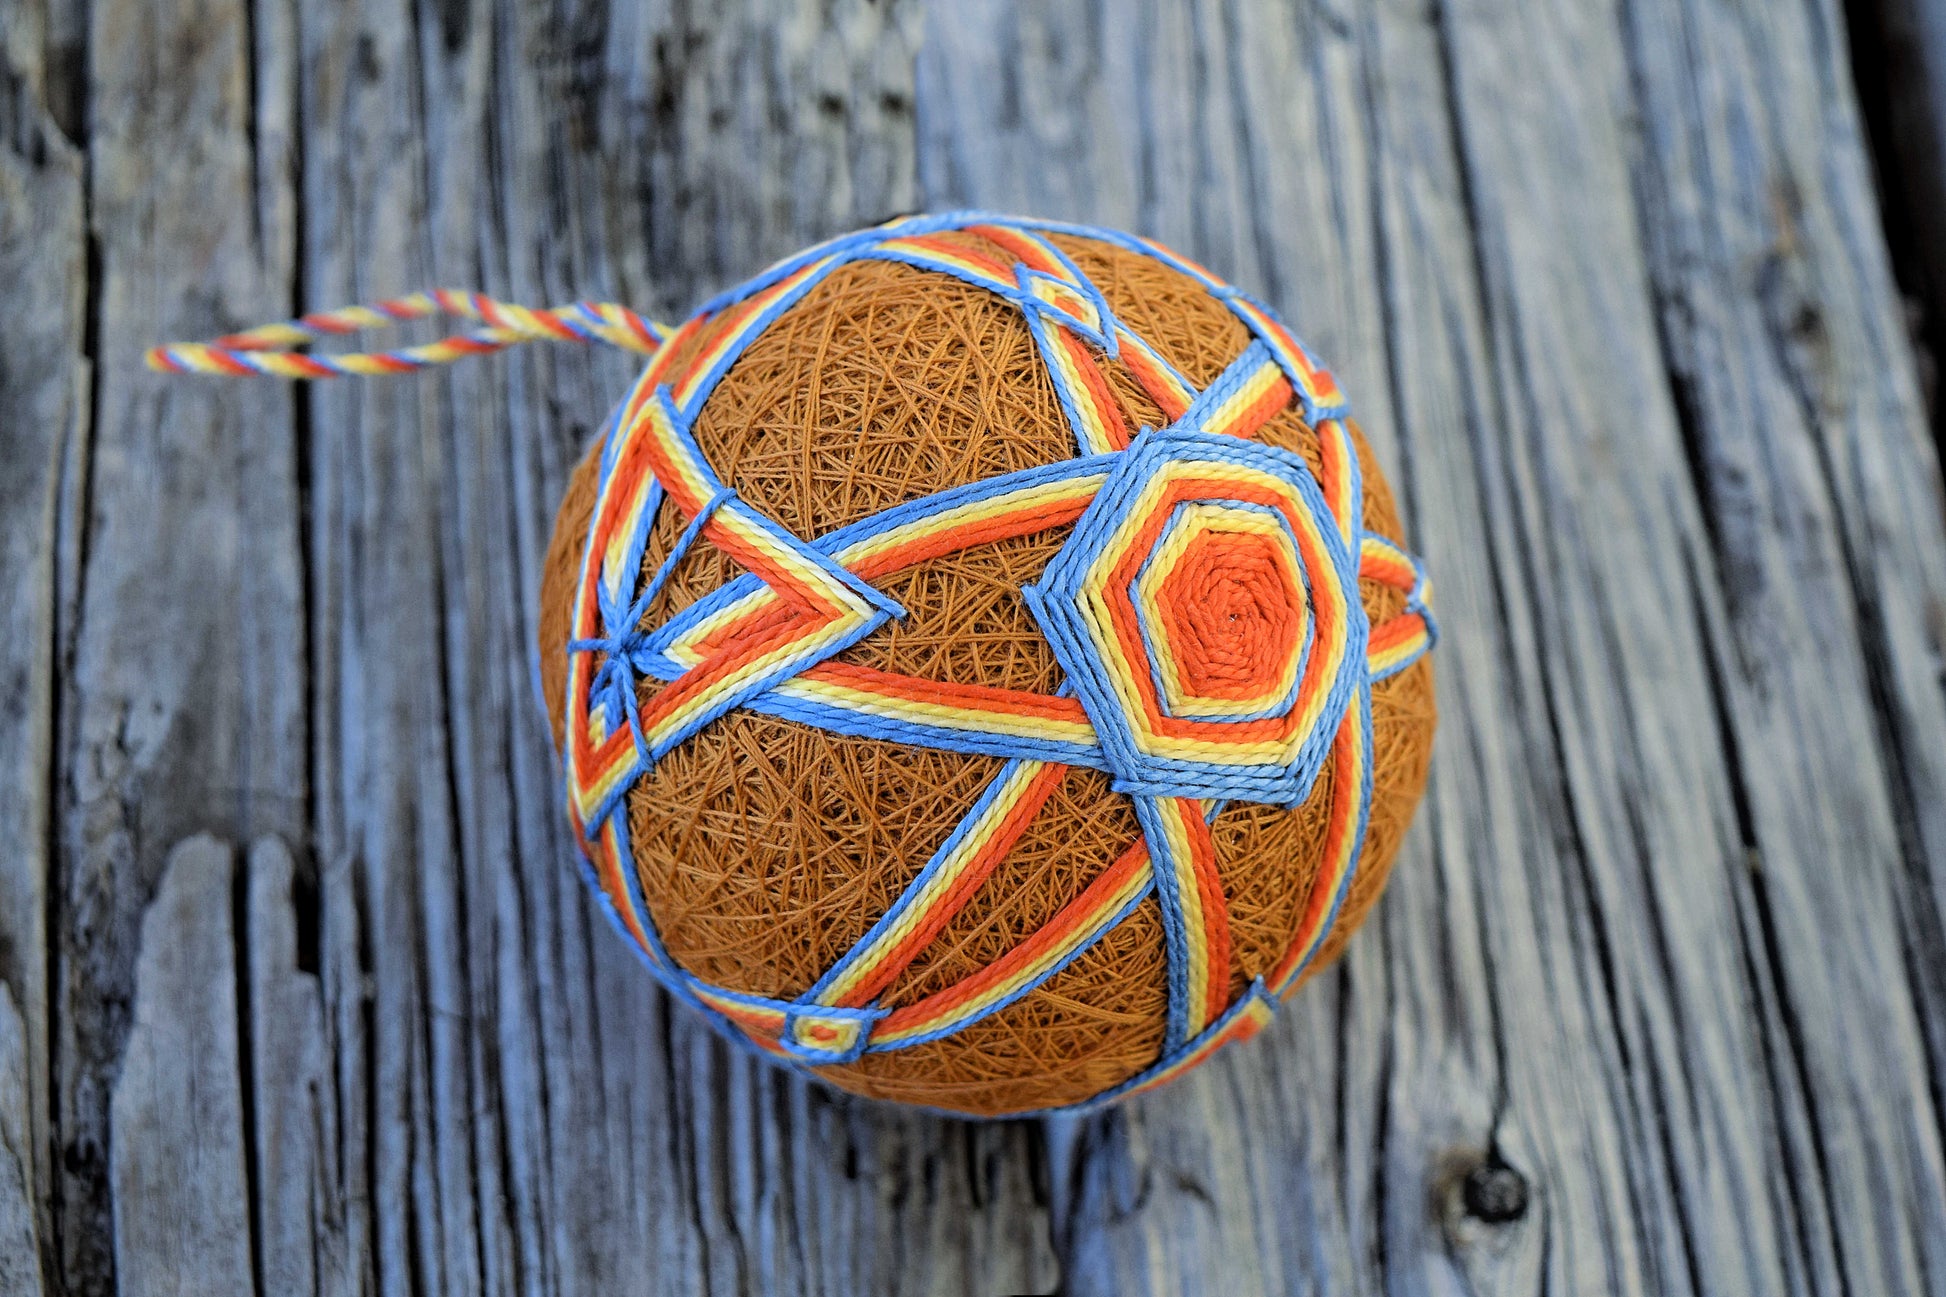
(268, 349)
(1205, 610)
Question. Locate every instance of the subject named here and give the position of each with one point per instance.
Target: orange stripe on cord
(1044, 940)
(1215, 908)
(978, 698)
(951, 903)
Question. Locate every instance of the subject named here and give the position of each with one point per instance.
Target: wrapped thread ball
(986, 664)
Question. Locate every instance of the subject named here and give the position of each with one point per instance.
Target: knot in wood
(1494, 1192)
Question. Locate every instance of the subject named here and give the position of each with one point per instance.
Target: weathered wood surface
(297, 991)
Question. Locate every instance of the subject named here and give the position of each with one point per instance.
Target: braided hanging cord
(270, 349)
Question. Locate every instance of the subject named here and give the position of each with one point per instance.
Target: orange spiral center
(1232, 614)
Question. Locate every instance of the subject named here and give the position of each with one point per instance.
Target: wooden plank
(176, 1163)
(1660, 685)
(44, 373)
(186, 699)
(20, 1254)
(1796, 396)
(301, 1215)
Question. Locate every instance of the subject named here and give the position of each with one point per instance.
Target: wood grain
(44, 413)
(298, 992)
(20, 1265)
(176, 1118)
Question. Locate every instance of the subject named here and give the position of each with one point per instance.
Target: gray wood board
(286, 908)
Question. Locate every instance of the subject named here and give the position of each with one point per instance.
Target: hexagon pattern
(1206, 610)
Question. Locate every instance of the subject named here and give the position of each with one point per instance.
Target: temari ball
(986, 664)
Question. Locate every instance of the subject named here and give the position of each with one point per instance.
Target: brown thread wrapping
(766, 849)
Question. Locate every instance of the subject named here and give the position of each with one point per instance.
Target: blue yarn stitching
(1175, 929)
(932, 869)
(988, 1011)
